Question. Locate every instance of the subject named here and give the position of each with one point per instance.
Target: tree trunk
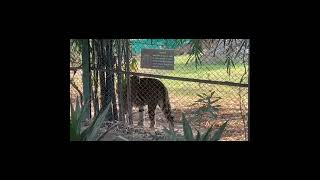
(120, 85)
(86, 75)
(95, 80)
(128, 85)
(101, 65)
(109, 85)
(113, 92)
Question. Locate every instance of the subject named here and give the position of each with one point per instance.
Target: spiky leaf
(171, 134)
(97, 124)
(206, 135)
(187, 129)
(198, 136)
(218, 133)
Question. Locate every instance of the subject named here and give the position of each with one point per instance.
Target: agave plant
(78, 116)
(207, 106)
(188, 135)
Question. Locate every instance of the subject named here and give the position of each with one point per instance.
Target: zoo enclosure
(200, 66)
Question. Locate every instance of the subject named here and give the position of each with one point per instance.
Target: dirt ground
(229, 111)
(233, 132)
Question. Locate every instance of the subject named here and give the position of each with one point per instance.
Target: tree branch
(77, 89)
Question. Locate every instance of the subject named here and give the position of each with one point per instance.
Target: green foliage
(78, 116)
(181, 42)
(229, 46)
(207, 105)
(122, 138)
(229, 62)
(188, 135)
(171, 134)
(217, 135)
(196, 51)
(187, 129)
(205, 137)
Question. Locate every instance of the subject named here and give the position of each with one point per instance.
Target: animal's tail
(166, 108)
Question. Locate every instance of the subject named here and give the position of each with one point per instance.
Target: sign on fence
(157, 59)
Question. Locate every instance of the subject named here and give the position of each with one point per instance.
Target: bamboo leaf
(190, 56)
(232, 63)
(218, 98)
(200, 95)
(199, 100)
(194, 104)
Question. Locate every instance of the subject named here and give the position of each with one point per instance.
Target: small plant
(188, 135)
(78, 116)
(207, 106)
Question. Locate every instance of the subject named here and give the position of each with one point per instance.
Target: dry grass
(181, 102)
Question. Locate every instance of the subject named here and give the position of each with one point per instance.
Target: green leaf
(84, 134)
(78, 109)
(218, 133)
(122, 138)
(180, 42)
(187, 129)
(199, 100)
(190, 56)
(233, 64)
(194, 104)
(201, 110)
(200, 95)
(77, 120)
(97, 124)
(72, 110)
(213, 115)
(198, 135)
(171, 134)
(214, 109)
(74, 122)
(167, 132)
(211, 94)
(73, 135)
(209, 100)
(82, 116)
(206, 135)
(216, 100)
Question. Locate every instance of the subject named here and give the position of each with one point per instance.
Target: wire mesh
(219, 60)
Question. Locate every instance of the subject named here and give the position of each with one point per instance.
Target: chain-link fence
(168, 77)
